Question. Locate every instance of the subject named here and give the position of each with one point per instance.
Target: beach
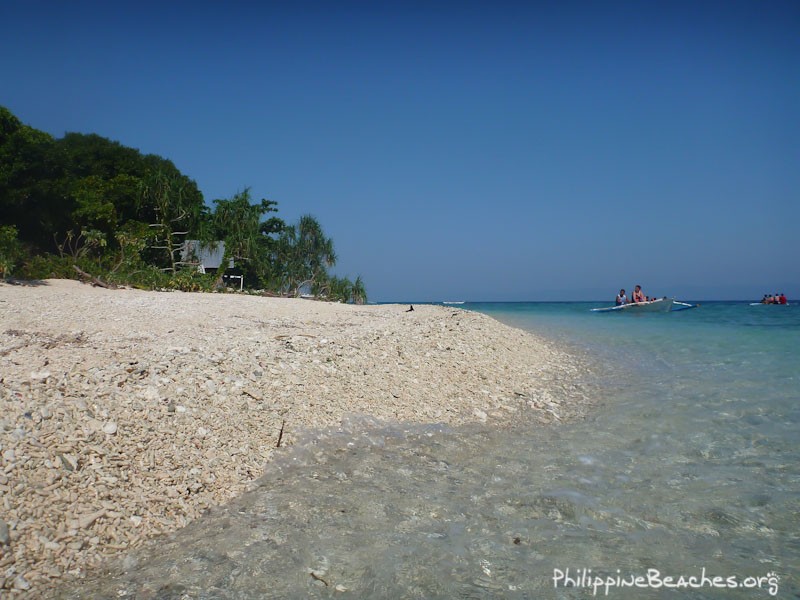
(125, 414)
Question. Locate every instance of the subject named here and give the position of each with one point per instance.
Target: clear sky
(458, 150)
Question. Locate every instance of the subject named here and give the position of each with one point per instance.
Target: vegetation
(88, 202)
(10, 249)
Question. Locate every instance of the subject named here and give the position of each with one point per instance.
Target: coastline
(126, 414)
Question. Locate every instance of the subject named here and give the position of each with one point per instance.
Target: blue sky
(458, 151)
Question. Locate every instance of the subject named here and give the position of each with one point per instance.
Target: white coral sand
(124, 414)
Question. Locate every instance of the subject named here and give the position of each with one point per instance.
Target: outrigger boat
(660, 305)
(769, 304)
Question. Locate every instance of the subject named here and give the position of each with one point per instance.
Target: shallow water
(689, 468)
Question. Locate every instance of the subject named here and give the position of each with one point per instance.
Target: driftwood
(252, 395)
(94, 280)
(280, 435)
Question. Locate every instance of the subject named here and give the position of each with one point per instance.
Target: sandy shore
(124, 414)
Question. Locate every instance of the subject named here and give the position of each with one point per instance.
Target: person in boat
(638, 295)
(622, 298)
(782, 299)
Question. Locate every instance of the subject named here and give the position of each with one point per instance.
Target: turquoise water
(700, 428)
(688, 468)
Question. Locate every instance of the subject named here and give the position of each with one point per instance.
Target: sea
(682, 481)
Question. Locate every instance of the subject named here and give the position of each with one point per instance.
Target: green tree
(132, 239)
(247, 236)
(50, 187)
(29, 169)
(104, 203)
(9, 124)
(359, 291)
(341, 289)
(303, 255)
(10, 250)
(337, 289)
(174, 206)
(84, 199)
(91, 154)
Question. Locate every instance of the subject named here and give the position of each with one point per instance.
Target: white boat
(768, 304)
(453, 302)
(661, 305)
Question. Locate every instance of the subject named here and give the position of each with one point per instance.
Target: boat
(453, 302)
(768, 304)
(682, 305)
(660, 305)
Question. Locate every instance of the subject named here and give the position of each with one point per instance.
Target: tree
(104, 203)
(81, 244)
(10, 250)
(50, 187)
(247, 237)
(175, 205)
(30, 199)
(359, 291)
(303, 256)
(132, 239)
(341, 289)
(338, 289)
(9, 124)
(85, 198)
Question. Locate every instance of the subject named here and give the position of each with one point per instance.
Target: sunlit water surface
(688, 468)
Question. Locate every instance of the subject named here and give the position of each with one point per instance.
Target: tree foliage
(89, 201)
(247, 235)
(303, 256)
(10, 249)
(174, 207)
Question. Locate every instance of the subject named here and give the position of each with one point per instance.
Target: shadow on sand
(25, 282)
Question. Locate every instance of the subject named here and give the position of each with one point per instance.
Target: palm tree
(359, 291)
(304, 255)
(238, 222)
(174, 203)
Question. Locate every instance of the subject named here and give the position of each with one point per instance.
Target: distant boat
(661, 305)
(768, 304)
(453, 302)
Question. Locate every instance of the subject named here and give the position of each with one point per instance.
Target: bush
(11, 251)
(190, 280)
(47, 266)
